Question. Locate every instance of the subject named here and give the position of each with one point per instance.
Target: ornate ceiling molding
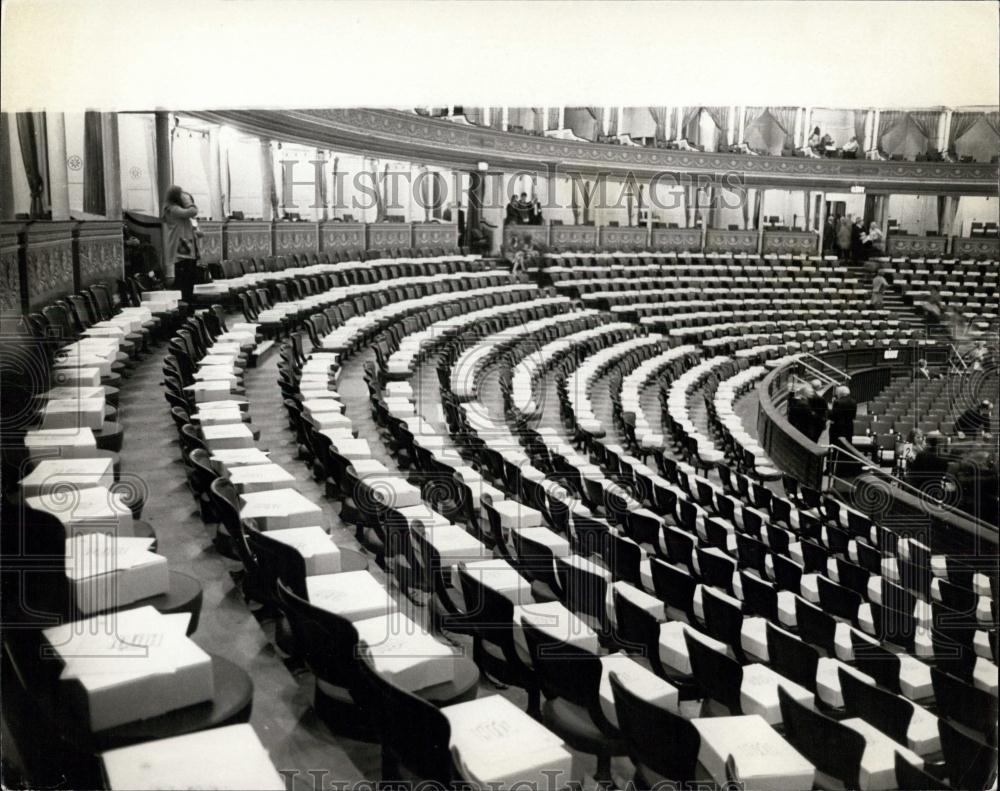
(401, 135)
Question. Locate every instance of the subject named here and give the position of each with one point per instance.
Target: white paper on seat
(759, 692)
(55, 474)
(498, 745)
(673, 648)
(226, 759)
(280, 508)
(828, 680)
(515, 514)
(559, 545)
(218, 417)
(74, 413)
(454, 544)
(640, 598)
(404, 652)
(65, 443)
(106, 572)
(498, 575)
(878, 767)
(320, 554)
(91, 509)
(225, 461)
(133, 664)
(349, 448)
(227, 436)
(260, 478)
(763, 758)
(637, 679)
(556, 621)
(354, 595)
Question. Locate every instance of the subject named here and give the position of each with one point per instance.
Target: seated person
(850, 149)
(923, 371)
(826, 145)
(813, 146)
(975, 420)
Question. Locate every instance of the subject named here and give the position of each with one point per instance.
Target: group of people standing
(850, 240)
(521, 211)
(809, 412)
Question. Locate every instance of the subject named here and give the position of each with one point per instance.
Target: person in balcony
(818, 410)
(814, 145)
(798, 409)
(850, 149)
(843, 411)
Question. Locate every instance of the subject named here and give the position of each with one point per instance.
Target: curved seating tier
(967, 287)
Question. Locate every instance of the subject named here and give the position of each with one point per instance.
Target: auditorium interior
(556, 446)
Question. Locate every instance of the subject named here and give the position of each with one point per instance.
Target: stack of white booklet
(54, 475)
(496, 745)
(354, 595)
(107, 572)
(131, 665)
(227, 758)
(92, 509)
(405, 653)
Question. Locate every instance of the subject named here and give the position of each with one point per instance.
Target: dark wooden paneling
(98, 253)
(48, 269)
(12, 296)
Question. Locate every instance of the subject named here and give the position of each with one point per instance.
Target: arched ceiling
(402, 135)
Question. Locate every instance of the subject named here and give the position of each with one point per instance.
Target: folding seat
(570, 678)
(834, 749)
(969, 762)
(646, 727)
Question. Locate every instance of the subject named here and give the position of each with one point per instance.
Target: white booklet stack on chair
(107, 572)
(231, 757)
(131, 665)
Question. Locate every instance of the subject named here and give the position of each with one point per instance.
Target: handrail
(984, 529)
(958, 356)
(844, 376)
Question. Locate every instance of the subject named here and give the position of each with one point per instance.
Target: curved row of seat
(942, 685)
(109, 592)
